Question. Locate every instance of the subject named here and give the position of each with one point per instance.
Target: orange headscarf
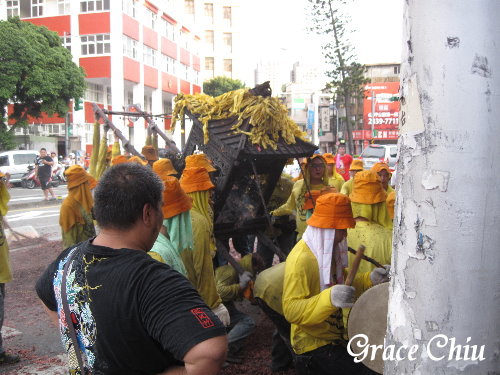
(367, 188)
(78, 196)
(149, 153)
(138, 160)
(199, 160)
(163, 168)
(175, 200)
(119, 159)
(332, 211)
(196, 179)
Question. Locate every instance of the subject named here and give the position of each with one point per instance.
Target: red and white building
(133, 52)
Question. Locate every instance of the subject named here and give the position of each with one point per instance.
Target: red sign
(381, 99)
(379, 134)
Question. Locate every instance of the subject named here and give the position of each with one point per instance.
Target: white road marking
(32, 215)
(8, 332)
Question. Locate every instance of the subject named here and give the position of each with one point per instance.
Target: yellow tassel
(101, 163)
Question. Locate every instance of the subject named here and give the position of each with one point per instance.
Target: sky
(281, 30)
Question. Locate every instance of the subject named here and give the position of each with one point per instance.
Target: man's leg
(282, 354)
(51, 191)
(5, 358)
(43, 184)
(241, 327)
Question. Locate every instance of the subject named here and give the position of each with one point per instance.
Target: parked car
(379, 153)
(16, 163)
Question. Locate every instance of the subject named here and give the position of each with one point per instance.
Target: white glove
(245, 277)
(222, 314)
(342, 295)
(380, 275)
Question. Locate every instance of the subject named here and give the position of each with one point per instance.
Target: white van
(16, 163)
(379, 153)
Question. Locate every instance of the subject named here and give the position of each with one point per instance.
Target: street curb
(35, 204)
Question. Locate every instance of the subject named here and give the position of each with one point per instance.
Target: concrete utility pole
(446, 251)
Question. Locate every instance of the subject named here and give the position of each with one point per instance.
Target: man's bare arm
(52, 315)
(205, 358)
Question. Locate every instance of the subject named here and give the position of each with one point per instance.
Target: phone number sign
(380, 110)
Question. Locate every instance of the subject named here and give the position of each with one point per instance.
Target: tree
(346, 74)
(220, 85)
(37, 75)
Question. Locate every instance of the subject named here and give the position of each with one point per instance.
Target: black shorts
(44, 182)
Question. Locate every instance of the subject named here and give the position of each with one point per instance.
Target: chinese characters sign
(380, 107)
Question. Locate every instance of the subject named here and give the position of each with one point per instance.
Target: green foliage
(37, 73)
(346, 75)
(220, 85)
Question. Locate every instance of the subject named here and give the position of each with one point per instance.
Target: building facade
(133, 52)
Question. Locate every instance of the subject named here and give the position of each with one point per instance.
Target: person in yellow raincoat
(316, 179)
(391, 201)
(5, 272)
(268, 292)
(176, 234)
(230, 286)
(75, 216)
(356, 166)
(385, 174)
(373, 223)
(335, 179)
(199, 266)
(313, 290)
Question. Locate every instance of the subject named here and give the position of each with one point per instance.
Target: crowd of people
(145, 293)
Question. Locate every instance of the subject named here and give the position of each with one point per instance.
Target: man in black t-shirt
(43, 171)
(131, 314)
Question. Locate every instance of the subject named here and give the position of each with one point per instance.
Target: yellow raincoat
(198, 262)
(75, 216)
(5, 272)
(268, 287)
(295, 202)
(377, 240)
(347, 187)
(228, 281)
(315, 321)
(336, 182)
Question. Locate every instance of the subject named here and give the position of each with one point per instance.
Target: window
(209, 12)
(209, 63)
(129, 47)
(396, 70)
(108, 95)
(12, 8)
(129, 7)
(97, 44)
(184, 72)
(148, 103)
(22, 159)
(170, 32)
(94, 92)
(63, 7)
(209, 38)
(168, 64)
(189, 7)
(228, 41)
(151, 18)
(4, 161)
(94, 5)
(228, 65)
(66, 42)
(149, 56)
(36, 8)
(227, 15)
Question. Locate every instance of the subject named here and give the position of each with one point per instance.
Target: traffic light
(70, 130)
(78, 104)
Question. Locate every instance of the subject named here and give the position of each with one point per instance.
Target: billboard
(380, 98)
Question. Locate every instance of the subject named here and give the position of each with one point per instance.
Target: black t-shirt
(132, 314)
(44, 170)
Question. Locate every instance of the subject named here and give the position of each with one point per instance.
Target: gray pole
(446, 244)
(66, 135)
